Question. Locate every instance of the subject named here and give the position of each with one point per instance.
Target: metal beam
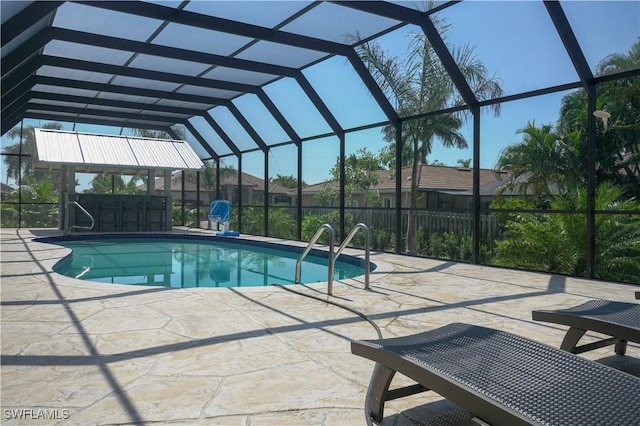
(475, 233)
(277, 115)
(371, 84)
(201, 140)
(422, 20)
(386, 9)
(52, 116)
(247, 127)
(20, 74)
(18, 92)
(10, 120)
(133, 117)
(61, 97)
(441, 49)
(76, 64)
(570, 42)
(591, 181)
(26, 49)
(319, 104)
(223, 135)
(26, 18)
(129, 90)
(164, 13)
(168, 52)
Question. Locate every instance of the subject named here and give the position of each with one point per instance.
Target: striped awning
(94, 153)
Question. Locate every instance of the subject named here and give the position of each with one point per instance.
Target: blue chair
(220, 212)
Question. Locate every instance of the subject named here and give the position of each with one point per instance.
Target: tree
(556, 242)
(542, 162)
(281, 223)
(361, 176)
(419, 83)
(465, 163)
(159, 134)
(286, 181)
(19, 161)
(617, 62)
(618, 148)
(114, 184)
(39, 204)
(208, 176)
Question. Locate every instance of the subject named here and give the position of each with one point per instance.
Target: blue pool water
(172, 262)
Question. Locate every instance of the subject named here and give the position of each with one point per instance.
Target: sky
(516, 42)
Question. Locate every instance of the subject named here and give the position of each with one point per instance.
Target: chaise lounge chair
(620, 320)
(501, 378)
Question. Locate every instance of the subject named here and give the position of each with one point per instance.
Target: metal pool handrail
(346, 241)
(332, 236)
(68, 228)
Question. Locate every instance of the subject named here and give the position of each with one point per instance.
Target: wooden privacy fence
(431, 221)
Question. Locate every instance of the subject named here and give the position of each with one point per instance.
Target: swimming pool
(193, 261)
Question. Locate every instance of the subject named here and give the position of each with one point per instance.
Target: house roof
(6, 188)
(248, 180)
(94, 153)
(432, 178)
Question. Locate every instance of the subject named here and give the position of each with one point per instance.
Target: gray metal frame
(617, 319)
(500, 378)
(19, 78)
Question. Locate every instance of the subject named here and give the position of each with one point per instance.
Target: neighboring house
(252, 190)
(5, 190)
(440, 188)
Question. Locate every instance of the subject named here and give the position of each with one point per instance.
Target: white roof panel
(106, 150)
(57, 147)
(156, 153)
(93, 152)
(188, 155)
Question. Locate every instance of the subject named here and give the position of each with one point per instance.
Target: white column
(167, 193)
(63, 197)
(71, 179)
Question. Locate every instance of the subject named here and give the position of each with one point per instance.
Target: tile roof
(247, 181)
(445, 178)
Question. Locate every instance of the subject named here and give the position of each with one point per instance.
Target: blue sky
(516, 42)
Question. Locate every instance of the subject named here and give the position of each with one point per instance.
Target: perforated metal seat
(621, 320)
(501, 378)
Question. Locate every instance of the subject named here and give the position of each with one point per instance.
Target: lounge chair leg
(377, 393)
(621, 347)
(571, 339)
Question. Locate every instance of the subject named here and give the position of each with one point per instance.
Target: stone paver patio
(89, 353)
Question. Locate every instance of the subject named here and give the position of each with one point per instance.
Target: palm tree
(618, 62)
(419, 83)
(618, 148)
(19, 162)
(464, 162)
(208, 176)
(106, 184)
(555, 242)
(542, 161)
(159, 134)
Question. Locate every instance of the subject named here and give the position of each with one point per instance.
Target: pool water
(184, 263)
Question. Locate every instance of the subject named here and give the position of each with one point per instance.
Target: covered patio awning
(108, 154)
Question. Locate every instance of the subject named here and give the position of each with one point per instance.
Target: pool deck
(89, 353)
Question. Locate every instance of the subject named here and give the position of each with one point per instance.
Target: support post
(169, 204)
(62, 199)
(151, 181)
